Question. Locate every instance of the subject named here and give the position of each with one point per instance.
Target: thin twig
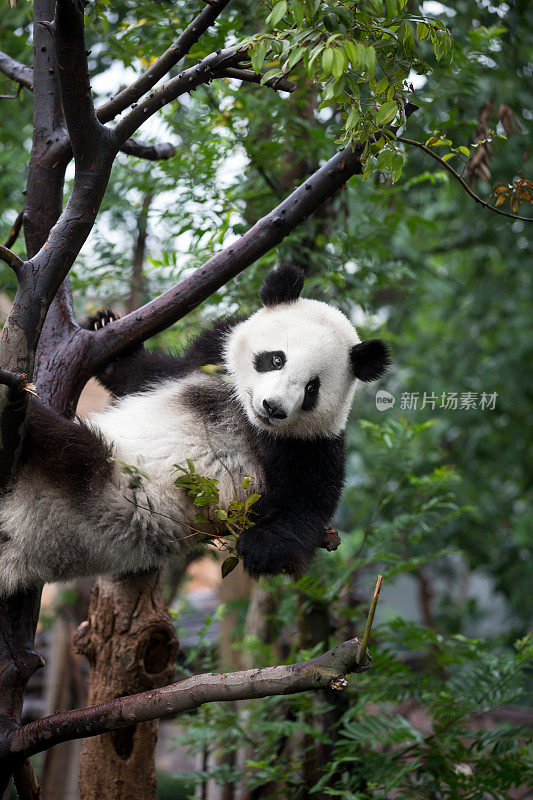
(361, 653)
(15, 230)
(458, 178)
(11, 259)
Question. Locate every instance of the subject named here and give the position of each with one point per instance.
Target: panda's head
(295, 363)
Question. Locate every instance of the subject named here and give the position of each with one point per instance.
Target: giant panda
(276, 413)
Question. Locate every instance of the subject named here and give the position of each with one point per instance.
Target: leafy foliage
(360, 56)
(234, 519)
(415, 724)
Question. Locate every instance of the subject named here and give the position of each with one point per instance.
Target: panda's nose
(273, 410)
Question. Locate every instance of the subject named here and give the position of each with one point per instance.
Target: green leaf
(422, 31)
(350, 49)
(386, 113)
(340, 62)
(258, 56)
(277, 13)
(253, 498)
(229, 565)
(353, 118)
(392, 8)
(298, 12)
(272, 73)
(327, 60)
(370, 57)
(295, 56)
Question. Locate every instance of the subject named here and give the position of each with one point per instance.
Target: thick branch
(458, 178)
(18, 72)
(152, 152)
(69, 38)
(92, 145)
(186, 695)
(269, 231)
(164, 63)
(203, 72)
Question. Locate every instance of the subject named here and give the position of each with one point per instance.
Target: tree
(337, 46)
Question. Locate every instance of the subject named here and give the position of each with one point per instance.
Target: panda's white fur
(125, 528)
(49, 532)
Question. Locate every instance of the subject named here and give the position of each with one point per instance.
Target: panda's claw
(99, 320)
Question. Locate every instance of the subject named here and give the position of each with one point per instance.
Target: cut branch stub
(11, 259)
(18, 72)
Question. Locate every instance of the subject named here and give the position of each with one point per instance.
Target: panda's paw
(99, 320)
(263, 557)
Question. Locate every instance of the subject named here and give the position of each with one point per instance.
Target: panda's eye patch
(311, 394)
(269, 361)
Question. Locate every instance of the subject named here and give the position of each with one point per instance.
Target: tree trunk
(136, 298)
(131, 646)
(64, 690)
(44, 195)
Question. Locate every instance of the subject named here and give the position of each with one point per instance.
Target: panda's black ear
(370, 360)
(282, 285)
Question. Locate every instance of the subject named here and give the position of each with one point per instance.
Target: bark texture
(131, 646)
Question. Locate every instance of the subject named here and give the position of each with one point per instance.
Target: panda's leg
(72, 512)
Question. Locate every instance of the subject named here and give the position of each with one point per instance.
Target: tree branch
(164, 63)
(249, 76)
(152, 152)
(67, 31)
(13, 380)
(16, 71)
(269, 231)
(15, 230)
(11, 259)
(203, 72)
(92, 145)
(458, 178)
(133, 147)
(318, 673)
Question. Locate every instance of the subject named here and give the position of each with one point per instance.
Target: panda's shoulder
(208, 347)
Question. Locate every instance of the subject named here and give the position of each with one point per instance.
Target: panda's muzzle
(274, 411)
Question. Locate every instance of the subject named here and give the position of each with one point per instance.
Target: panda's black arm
(140, 368)
(304, 484)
